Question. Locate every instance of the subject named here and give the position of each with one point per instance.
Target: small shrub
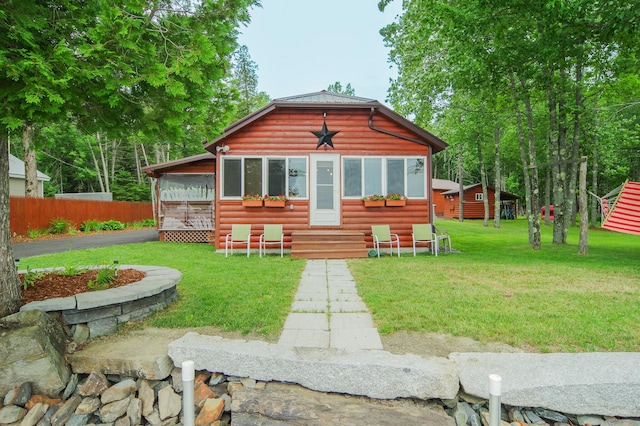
(147, 223)
(112, 225)
(106, 276)
(143, 224)
(90, 225)
(72, 271)
(30, 277)
(35, 233)
(59, 226)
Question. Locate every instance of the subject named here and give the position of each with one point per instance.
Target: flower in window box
(373, 200)
(252, 200)
(274, 200)
(395, 200)
(252, 197)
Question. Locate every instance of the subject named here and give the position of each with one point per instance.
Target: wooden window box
(374, 203)
(274, 203)
(396, 203)
(252, 203)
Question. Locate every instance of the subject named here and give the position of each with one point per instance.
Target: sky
(303, 46)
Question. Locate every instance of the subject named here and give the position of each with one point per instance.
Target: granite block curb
(603, 383)
(372, 373)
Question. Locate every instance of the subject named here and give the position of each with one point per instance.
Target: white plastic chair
(273, 235)
(240, 234)
(444, 237)
(423, 234)
(382, 235)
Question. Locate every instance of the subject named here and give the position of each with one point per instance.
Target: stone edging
(101, 311)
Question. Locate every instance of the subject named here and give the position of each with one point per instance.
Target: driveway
(36, 248)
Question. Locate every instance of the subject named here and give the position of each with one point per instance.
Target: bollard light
(188, 379)
(495, 392)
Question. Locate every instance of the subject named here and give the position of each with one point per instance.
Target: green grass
(234, 294)
(496, 289)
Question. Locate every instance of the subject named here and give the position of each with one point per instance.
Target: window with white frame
(264, 175)
(384, 175)
(479, 196)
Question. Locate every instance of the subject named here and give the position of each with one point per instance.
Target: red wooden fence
(37, 213)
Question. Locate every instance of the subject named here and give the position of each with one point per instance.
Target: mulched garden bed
(55, 284)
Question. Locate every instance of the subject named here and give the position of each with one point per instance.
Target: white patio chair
(382, 235)
(273, 235)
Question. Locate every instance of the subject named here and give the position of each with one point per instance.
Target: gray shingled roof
(324, 97)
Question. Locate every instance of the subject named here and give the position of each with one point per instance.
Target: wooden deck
(328, 244)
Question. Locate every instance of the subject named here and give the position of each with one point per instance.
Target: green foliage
(91, 225)
(245, 84)
(147, 223)
(126, 188)
(105, 277)
(112, 225)
(30, 277)
(337, 88)
(59, 226)
(72, 271)
(35, 233)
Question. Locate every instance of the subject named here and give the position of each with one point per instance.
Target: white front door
(324, 197)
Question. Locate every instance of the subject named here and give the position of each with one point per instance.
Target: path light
(495, 382)
(188, 379)
(115, 262)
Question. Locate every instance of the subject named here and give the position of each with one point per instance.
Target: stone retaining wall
(102, 311)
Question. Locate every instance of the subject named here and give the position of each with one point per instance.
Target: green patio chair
(273, 235)
(240, 234)
(423, 234)
(382, 235)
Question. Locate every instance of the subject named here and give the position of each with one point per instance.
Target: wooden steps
(328, 244)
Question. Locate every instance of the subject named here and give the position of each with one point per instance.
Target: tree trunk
(95, 164)
(483, 181)
(498, 178)
(583, 244)
(575, 146)
(547, 197)
(523, 158)
(10, 297)
(105, 167)
(594, 185)
(30, 162)
(560, 169)
(535, 190)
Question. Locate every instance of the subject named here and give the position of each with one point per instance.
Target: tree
(245, 81)
(337, 88)
(534, 52)
(120, 67)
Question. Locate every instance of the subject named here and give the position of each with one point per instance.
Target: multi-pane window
(258, 175)
(479, 196)
(384, 175)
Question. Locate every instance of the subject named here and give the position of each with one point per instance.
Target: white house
(17, 176)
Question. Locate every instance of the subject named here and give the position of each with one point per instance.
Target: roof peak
(324, 96)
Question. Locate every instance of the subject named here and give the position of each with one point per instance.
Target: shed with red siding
(474, 202)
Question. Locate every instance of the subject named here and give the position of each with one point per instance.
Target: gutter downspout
(387, 132)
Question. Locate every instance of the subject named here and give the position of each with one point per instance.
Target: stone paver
(328, 291)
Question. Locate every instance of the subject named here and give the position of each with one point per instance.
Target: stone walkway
(327, 311)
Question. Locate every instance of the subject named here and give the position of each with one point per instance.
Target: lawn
(498, 289)
(494, 289)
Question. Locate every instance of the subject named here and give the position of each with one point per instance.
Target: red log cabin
(324, 152)
(446, 200)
